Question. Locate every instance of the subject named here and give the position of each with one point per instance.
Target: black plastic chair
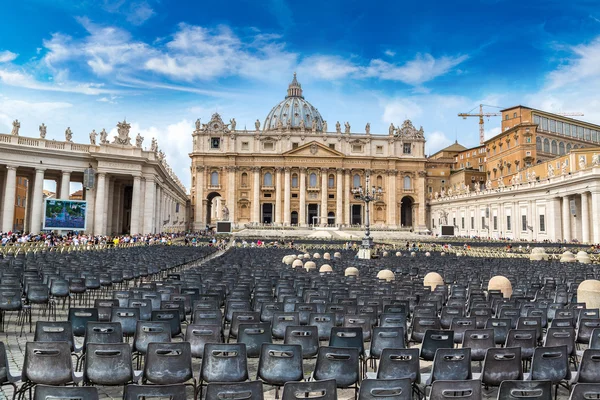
(240, 390)
(420, 325)
(501, 326)
(388, 389)
(105, 307)
(306, 336)
(169, 364)
(108, 365)
(241, 317)
(451, 390)
(478, 340)
(323, 390)
(139, 392)
(6, 378)
(281, 320)
(451, 365)
(55, 331)
(385, 337)
(533, 390)
(460, 325)
(79, 317)
(436, 339)
(223, 362)
(44, 392)
(400, 364)
(199, 335)
(525, 340)
(253, 336)
(324, 322)
(595, 339)
(280, 363)
(562, 337)
(171, 316)
(589, 367)
(551, 364)
(586, 328)
(583, 391)
(501, 365)
(127, 317)
(148, 332)
(339, 363)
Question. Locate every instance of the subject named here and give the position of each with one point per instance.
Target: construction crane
(481, 114)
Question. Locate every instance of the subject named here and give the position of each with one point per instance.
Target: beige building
(291, 170)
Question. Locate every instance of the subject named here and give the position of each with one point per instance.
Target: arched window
(379, 181)
(331, 181)
(546, 146)
(312, 180)
(268, 179)
(538, 143)
(214, 178)
(356, 180)
(244, 179)
(561, 148)
(554, 147)
(407, 182)
(295, 180)
(569, 148)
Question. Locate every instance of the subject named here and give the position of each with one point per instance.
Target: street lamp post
(367, 194)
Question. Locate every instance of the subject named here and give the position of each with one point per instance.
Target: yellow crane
(481, 114)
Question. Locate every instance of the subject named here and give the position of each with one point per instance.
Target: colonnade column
(347, 198)
(10, 188)
(110, 202)
(585, 218)
(287, 212)
(149, 196)
(65, 185)
(140, 211)
(256, 196)
(324, 211)
(278, 196)
(339, 207)
(596, 216)
(555, 220)
(566, 220)
(157, 209)
(135, 205)
(199, 204)
(99, 206)
(117, 207)
(391, 203)
(231, 200)
(90, 197)
(38, 201)
(302, 210)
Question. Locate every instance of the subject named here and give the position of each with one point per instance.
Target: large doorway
(331, 219)
(356, 214)
(406, 212)
(313, 214)
(267, 213)
(213, 212)
(294, 220)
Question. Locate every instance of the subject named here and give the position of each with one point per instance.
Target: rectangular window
(294, 195)
(524, 223)
(433, 222)
(508, 223)
(495, 222)
(536, 119)
(586, 133)
(294, 145)
(245, 145)
(269, 146)
(454, 221)
(357, 148)
(332, 196)
(406, 148)
(559, 127)
(429, 189)
(580, 132)
(267, 194)
(379, 149)
(545, 124)
(215, 143)
(552, 125)
(176, 207)
(462, 222)
(472, 222)
(542, 223)
(482, 222)
(332, 146)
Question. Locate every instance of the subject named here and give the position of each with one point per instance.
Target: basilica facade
(291, 170)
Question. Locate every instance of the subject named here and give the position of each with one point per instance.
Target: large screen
(65, 214)
(223, 227)
(447, 230)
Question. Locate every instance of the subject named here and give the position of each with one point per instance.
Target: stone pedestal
(433, 279)
(501, 283)
(386, 275)
(588, 292)
(364, 254)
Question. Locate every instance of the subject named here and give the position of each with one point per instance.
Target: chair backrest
(421, 324)
(148, 332)
(595, 339)
(383, 337)
(324, 322)
(242, 317)
(397, 320)
(517, 389)
(339, 363)
(253, 336)
(199, 335)
(376, 389)
(531, 323)
(240, 390)
(478, 340)
(174, 357)
(79, 317)
(128, 317)
(585, 391)
(560, 337)
(550, 364)
(585, 328)
(399, 363)
(104, 307)
(589, 368)
(102, 332)
(54, 331)
(145, 306)
(48, 363)
(235, 306)
(108, 364)
(501, 326)
(321, 390)
(170, 316)
(436, 339)
(139, 392)
(523, 338)
(306, 336)
(224, 362)
(280, 363)
(359, 321)
(451, 364)
(281, 320)
(44, 392)
(501, 364)
(447, 390)
(347, 337)
(481, 316)
(4, 365)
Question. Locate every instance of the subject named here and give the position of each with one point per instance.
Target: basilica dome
(294, 112)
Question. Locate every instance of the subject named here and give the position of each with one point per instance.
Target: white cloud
(27, 112)
(389, 53)
(436, 141)
(400, 109)
(136, 12)
(7, 56)
(19, 79)
(583, 66)
(327, 67)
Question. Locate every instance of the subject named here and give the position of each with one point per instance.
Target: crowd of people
(74, 238)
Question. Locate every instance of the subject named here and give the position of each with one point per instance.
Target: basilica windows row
(553, 146)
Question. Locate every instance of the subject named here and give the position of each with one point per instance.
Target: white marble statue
(477, 188)
(468, 189)
(596, 160)
(279, 124)
(392, 129)
(93, 135)
(563, 168)
(533, 176)
(198, 124)
(16, 127)
(302, 124)
(582, 162)
(103, 136)
(338, 127)
(68, 135)
(154, 145)
(324, 126)
(43, 131)
(368, 128)
(314, 125)
(257, 125)
(436, 195)
(233, 124)
(122, 137)
(550, 170)
(501, 183)
(528, 176)
(346, 127)
(488, 184)
(139, 140)
(450, 191)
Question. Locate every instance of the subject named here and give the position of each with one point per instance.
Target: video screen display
(447, 230)
(65, 214)
(224, 227)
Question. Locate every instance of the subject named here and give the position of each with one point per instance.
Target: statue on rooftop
(139, 140)
(43, 131)
(68, 135)
(233, 124)
(93, 135)
(338, 127)
(368, 128)
(198, 124)
(16, 126)
(103, 136)
(346, 127)
(257, 125)
(392, 129)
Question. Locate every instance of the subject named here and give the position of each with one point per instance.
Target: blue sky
(161, 64)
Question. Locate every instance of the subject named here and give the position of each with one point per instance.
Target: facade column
(554, 222)
(339, 194)
(2, 179)
(110, 203)
(157, 210)
(256, 196)
(65, 185)
(596, 216)
(347, 211)
(324, 220)
(231, 200)
(135, 206)
(100, 204)
(116, 208)
(142, 205)
(302, 210)
(391, 203)
(90, 198)
(566, 219)
(287, 212)
(37, 201)
(532, 210)
(10, 193)
(199, 213)
(278, 207)
(149, 199)
(585, 218)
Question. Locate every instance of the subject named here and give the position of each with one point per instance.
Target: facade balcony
(214, 187)
(269, 188)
